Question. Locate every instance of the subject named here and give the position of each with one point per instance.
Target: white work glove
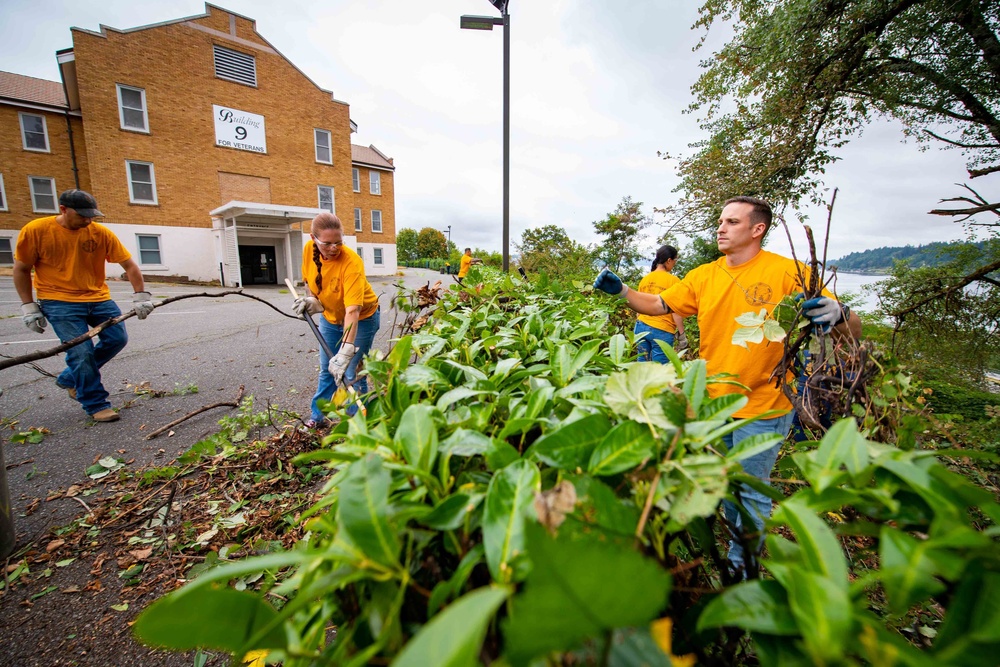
(681, 342)
(142, 304)
(338, 365)
(304, 304)
(32, 317)
(825, 312)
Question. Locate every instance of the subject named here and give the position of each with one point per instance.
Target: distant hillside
(880, 260)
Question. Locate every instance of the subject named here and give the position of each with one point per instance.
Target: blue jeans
(332, 334)
(756, 503)
(648, 349)
(84, 361)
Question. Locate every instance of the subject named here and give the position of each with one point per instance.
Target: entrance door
(258, 265)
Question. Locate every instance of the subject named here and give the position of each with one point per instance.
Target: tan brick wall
(386, 202)
(239, 187)
(174, 65)
(17, 164)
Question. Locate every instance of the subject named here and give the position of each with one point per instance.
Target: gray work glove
(825, 312)
(32, 317)
(142, 304)
(681, 343)
(338, 365)
(306, 304)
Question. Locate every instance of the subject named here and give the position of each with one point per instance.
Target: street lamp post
(448, 231)
(487, 23)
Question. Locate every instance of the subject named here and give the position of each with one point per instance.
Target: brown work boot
(72, 392)
(105, 415)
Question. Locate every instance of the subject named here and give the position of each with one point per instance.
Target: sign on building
(237, 129)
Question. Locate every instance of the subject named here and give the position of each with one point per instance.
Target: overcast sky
(597, 88)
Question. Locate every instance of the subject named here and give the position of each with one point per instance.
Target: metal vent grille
(235, 66)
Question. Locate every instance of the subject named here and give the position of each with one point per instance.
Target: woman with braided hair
(336, 287)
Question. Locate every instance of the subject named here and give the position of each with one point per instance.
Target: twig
(205, 408)
(43, 354)
(85, 505)
(11, 466)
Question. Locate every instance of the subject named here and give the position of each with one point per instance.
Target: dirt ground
(71, 589)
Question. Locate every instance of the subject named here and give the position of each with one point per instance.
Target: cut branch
(204, 408)
(51, 352)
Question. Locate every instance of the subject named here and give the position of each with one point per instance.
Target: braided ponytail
(320, 223)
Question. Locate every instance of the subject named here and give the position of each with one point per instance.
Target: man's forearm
(646, 304)
(22, 283)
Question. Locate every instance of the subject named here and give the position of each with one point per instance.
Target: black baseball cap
(82, 202)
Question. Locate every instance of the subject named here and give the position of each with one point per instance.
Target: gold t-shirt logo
(759, 294)
(89, 245)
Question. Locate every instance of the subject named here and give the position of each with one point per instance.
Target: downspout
(72, 152)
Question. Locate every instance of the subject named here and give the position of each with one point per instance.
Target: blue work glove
(608, 282)
(825, 312)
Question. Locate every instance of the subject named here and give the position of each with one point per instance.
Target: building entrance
(258, 265)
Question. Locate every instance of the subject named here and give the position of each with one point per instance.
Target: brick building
(206, 149)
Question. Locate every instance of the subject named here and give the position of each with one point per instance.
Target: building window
(377, 256)
(141, 182)
(34, 133)
(132, 108)
(375, 182)
(6, 254)
(356, 175)
(377, 221)
(149, 248)
(323, 151)
(358, 227)
(235, 66)
(361, 253)
(326, 198)
(43, 194)
(3, 196)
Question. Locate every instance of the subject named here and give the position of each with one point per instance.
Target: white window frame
(361, 253)
(333, 198)
(55, 194)
(359, 222)
(139, 249)
(374, 182)
(152, 178)
(3, 196)
(377, 230)
(45, 133)
(329, 144)
(378, 257)
(356, 179)
(121, 109)
(11, 242)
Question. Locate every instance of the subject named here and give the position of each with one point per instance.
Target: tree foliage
(406, 245)
(431, 244)
(550, 249)
(807, 75)
(620, 233)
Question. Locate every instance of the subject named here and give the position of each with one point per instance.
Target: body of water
(852, 283)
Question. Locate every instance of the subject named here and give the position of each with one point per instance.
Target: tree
(807, 75)
(432, 244)
(406, 245)
(550, 249)
(620, 234)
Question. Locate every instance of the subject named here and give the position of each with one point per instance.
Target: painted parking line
(32, 341)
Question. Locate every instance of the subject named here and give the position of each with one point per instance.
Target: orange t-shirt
(69, 263)
(654, 283)
(463, 266)
(344, 283)
(718, 294)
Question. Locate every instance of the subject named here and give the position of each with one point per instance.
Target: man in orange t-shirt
(466, 263)
(335, 279)
(746, 278)
(68, 253)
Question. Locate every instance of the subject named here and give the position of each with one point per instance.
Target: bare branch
(959, 143)
(978, 274)
(976, 173)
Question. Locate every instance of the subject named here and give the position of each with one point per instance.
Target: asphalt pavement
(209, 345)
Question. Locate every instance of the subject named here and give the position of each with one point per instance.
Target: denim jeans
(332, 334)
(756, 503)
(84, 361)
(648, 349)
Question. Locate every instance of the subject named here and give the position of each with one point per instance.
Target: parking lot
(209, 345)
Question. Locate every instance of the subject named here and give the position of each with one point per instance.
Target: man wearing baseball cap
(68, 253)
